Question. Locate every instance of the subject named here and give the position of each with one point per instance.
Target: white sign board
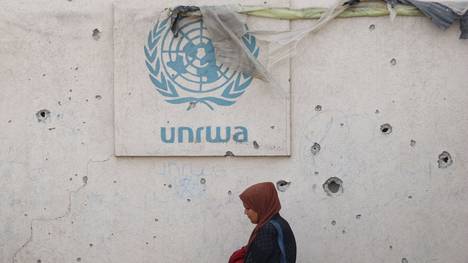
(172, 98)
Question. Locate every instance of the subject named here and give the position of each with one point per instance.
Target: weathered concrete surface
(85, 205)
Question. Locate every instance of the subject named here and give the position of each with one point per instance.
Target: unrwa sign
(173, 98)
(238, 134)
(187, 65)
(184, 69)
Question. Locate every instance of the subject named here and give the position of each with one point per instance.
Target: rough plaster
(397, 205)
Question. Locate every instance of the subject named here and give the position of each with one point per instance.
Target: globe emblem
(190, 59)
(184, 69)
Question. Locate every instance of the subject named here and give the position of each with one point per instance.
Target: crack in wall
(67, 212)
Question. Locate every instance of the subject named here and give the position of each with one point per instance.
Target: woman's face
(252, 215)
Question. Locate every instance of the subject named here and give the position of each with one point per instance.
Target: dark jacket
(265, 248)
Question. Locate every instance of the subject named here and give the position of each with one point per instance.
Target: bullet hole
(203, 181)
(25, 214)
(78, 259)
(377, 111)
(169, 185)
(410, 197)
(39, 261)
(358, 216)
(412, 143)
(43, 74)
(272, 127)
(318, 108)
(114, 181)
(404, 260)
(76, 174)
(316, 172)
(333, 186)
(189, 200)
(445, 160)
(255, 144)
(391, 247)
(96, 34)
(282, 185)
(52, 128)
(229, 153)
(371, 27)
(154, 237)
(229, 192)
(333, 222)
(191, 105)
(341, 124)
(146, 243)
(393, 62)
(91, 245)
(386, 128)
(76, 68)
(42, 115)
(98, 97)
(85, 179)
(70, 179)
(9, 121)
(156, 220)
(343, 231)
(315, 149)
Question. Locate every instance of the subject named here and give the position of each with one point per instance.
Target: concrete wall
(64, 197)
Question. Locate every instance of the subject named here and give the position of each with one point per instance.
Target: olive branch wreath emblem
(232, 90)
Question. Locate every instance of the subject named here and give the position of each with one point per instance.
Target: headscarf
(263, 199)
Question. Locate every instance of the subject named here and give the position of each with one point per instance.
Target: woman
(272, 240)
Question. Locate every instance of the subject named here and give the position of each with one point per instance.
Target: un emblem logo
(184, 69)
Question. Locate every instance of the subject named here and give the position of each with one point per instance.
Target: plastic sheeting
(226, 30)
(459, 7)
(442, 13)
(283, 44)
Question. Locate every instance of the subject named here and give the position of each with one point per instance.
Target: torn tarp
(283, 44)
(464, 26)
(226, 32)
(442, 13)
(177, 14)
